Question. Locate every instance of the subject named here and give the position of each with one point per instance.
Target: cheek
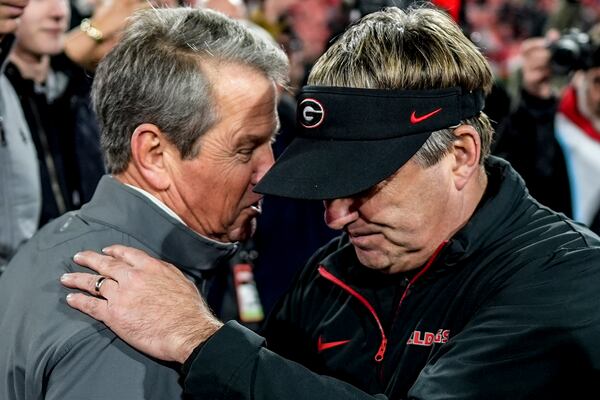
(26, 35)
(414, 218)
(234, 189)
(596, 99)
(593, 95)
(404, 211)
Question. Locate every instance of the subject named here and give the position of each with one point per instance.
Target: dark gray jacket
(51, 351)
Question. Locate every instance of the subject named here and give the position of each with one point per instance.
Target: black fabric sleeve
(234, 364)
(187, 365)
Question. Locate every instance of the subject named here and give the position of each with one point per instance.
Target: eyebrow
(254, 138)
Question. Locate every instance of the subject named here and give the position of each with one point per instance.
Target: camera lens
(569, 53)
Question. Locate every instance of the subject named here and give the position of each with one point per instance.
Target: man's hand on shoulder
(148, 303)
(10, 12)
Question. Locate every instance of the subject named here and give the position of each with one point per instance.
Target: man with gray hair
(449, 282)
(187, 106)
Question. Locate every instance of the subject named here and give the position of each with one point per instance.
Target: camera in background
(573, 51)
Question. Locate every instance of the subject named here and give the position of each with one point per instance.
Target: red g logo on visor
(310, 113)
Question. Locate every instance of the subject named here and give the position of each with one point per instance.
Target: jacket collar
(132, 213)
(501, 209)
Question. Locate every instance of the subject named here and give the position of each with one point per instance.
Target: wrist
(197, 338)
(91, 30)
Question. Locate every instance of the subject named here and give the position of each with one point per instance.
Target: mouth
(53, 31)
(362, 238)
(356, 233)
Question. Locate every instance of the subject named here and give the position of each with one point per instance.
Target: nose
(265, 161)
(59, 9)
(339, 212)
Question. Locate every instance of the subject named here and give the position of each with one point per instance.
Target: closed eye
(245, 154)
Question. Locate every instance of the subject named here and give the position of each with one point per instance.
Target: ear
(466, 151)
(148, 146)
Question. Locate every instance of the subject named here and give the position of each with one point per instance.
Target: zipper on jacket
(409, 285)
(380, 355)
(332, 278)
(418, 275)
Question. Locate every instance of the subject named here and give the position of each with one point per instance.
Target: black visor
(348, 139)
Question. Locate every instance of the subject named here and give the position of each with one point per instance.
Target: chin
(372, 259)
(244, 232)
(385, 264)
(56, 50)
(52, 47)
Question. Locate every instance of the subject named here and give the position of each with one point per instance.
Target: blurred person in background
(568, 14)
(20, 194)
(54, 95)
(48, 71)
(51, 70)
(554, 141)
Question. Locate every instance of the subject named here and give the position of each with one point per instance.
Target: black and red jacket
(509, 308)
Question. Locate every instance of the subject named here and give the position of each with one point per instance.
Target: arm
(10, 11)
(536, 69)
(234, 364)
(537, 102)
(153, 307)
(109, 18)
(526, 138)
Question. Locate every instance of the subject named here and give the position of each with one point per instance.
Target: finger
(105, 287)
(102, 264)
(15, 3)
(10, 12)
(92, 306)
(87, 282)
(552, 35)
(8, 26)
(130, 255)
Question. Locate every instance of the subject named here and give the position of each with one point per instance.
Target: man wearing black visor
(449, 280)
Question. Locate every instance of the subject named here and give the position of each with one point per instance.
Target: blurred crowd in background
(305, 27)
(52, 79)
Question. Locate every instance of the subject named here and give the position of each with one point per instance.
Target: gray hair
(418, 48)
(155, 75)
